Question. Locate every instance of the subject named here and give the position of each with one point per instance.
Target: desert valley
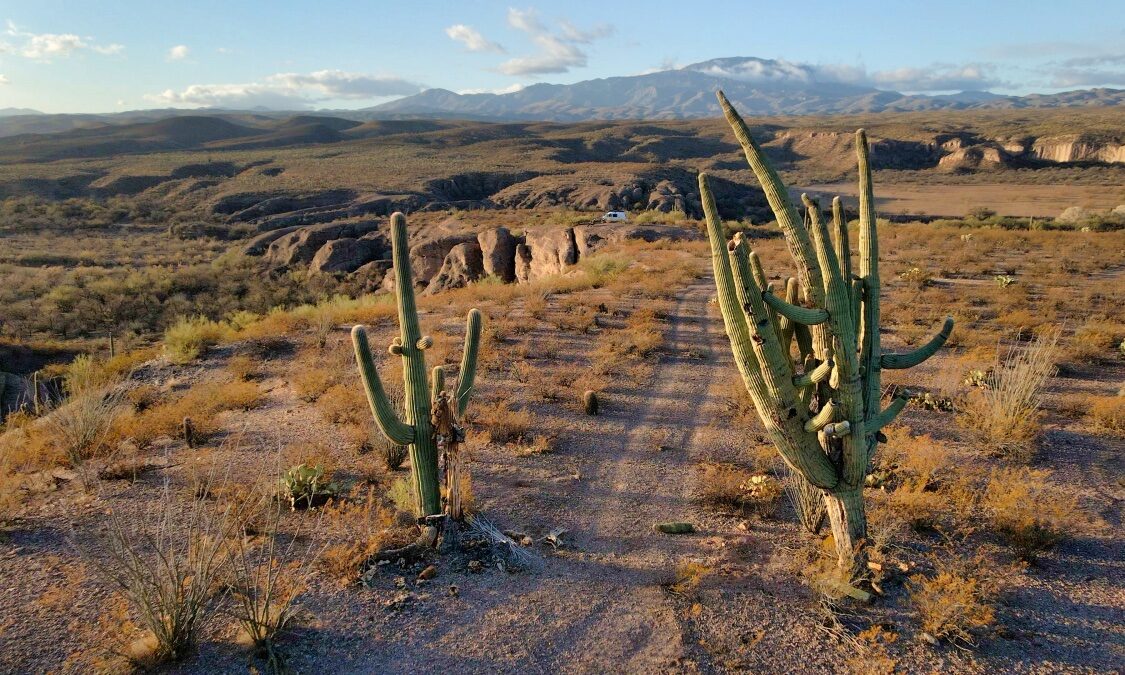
(565, 381)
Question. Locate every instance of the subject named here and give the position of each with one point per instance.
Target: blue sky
(104, 57)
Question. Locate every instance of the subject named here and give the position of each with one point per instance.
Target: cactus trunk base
(849, 528)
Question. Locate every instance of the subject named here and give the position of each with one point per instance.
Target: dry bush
(955, 601)
(1031, 511)
(1107, 413)
(311, 383)
(201, 403)
(354, 530)
(688, 577)
(1095, 341)
(266, 581)
(501, 423)
(186, 339)
(1005, 414)
(344, 404)
(242, 367)
(81, 427)
(167, 565)
(726, 486)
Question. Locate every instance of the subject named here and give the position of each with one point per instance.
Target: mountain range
(757, 87)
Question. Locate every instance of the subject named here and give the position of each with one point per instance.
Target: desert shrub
(354, 530)
(344, 404)
(311, 383)
(167, 565)
(501, 423)
(726, 486)
(266, 582)
(201, 403)
(242, 367)
(1031, 511)
(1005, 415)
(917, 277)
(952, 603)
(1107, 413)
(1095, 341)
(81, 426)
(189, 337)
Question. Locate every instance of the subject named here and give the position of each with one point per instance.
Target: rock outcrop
(301, 246)
(552, 251)
(349, 254)
(463, 265)
(498, 250)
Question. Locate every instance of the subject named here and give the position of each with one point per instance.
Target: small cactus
(1003, 280)
(590, 402)
(188, 429)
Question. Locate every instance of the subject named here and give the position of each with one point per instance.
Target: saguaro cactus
(824, 417)
(416, 430)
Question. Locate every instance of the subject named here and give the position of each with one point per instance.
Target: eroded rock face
(300, 246)
(552, 251)
(498, 249)
(427, 257)
(462, 266)
(523, 263)
(349, 254)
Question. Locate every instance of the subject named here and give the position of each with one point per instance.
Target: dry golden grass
(955, 602)
(1030, 510)
(202, 403)
(1107, 413)
(729, 487)
(1005, 415)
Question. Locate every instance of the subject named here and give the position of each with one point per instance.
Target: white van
(615, 217)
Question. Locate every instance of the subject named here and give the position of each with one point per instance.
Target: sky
(127, 55)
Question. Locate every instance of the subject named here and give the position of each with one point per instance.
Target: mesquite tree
(417, 430)
(822, 407)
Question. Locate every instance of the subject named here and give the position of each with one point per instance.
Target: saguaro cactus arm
(381, 407)
(807, 316)
(887, 415)
(468, 373)
(914, 358)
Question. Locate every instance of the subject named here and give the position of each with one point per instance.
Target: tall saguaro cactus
(825, 417)
(417, 429)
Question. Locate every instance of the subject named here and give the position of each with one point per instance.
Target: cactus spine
(416, 430)
(825, 419)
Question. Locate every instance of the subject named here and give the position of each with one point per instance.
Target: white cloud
(936, 77)
(558, 53)
(289, 90)
(178, 53)
(48, 46)
(472, 39)
(575, 34)
(526, 20)
(4, 79)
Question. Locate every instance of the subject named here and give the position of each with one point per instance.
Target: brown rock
(498, 248)
(462, 266)
(552, 251)
(348, 254)
(427, 258)
(523, 263)
(301, 246)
